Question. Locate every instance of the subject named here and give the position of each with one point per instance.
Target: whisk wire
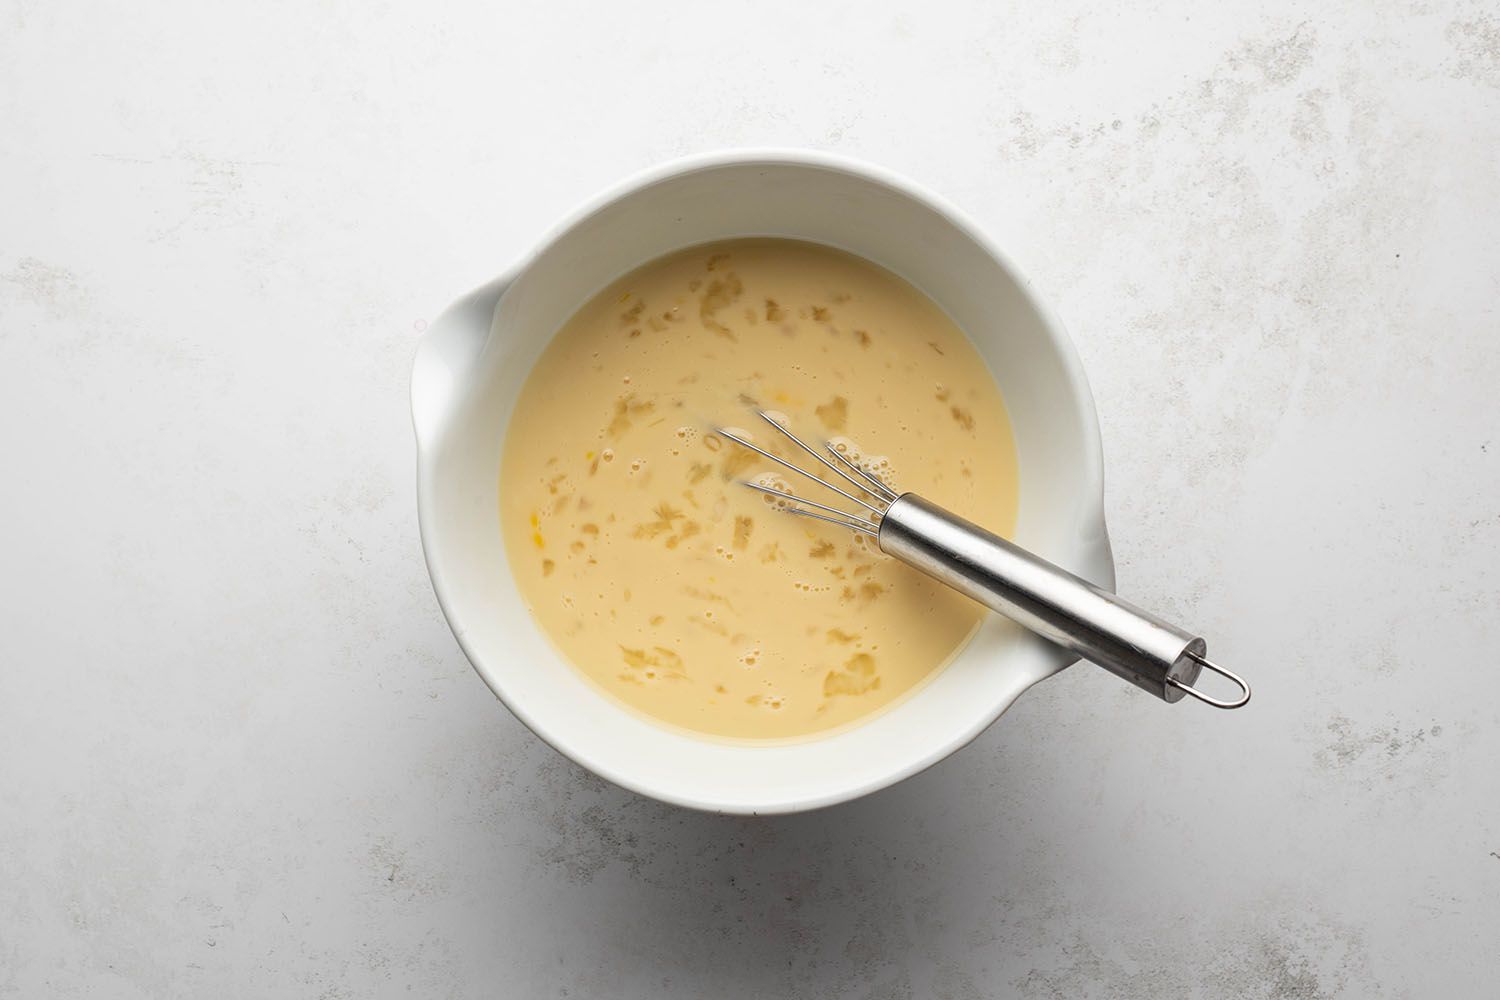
(861, 528)
(881, 489)
(853, 520)
(813, 452)
(877, 511)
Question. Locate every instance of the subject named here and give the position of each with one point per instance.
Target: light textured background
(240, 753)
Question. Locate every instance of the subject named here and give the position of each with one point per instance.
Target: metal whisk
(1065, 609)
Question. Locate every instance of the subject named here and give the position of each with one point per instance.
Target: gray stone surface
(241, 755)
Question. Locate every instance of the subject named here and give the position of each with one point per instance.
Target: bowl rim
(1091, 520)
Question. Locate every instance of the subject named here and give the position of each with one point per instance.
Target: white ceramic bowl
(471, 364)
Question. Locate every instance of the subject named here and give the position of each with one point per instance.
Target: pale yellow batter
(684, 594)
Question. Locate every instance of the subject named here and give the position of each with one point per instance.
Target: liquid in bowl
(685, 596)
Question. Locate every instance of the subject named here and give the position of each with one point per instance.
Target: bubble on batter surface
(774, 481)
(879, 466)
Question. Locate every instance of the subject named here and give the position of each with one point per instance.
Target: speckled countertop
(241, 754)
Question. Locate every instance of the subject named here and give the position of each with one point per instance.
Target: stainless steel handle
(1065, 609)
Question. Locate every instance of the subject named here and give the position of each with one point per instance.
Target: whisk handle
(1150, 653)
